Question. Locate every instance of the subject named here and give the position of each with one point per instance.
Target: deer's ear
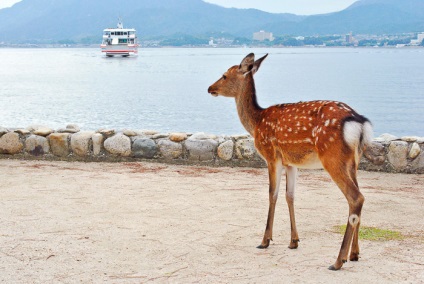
(246, 64)
(257, 64)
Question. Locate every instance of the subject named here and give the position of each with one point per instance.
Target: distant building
(419, 40)
(263, 35)
(350, 39)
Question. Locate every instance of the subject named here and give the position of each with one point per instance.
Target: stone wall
(387, 153)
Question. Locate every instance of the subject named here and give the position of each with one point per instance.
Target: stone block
(417, 165)
(70, 128)
(177, 137)
(118, 144)
(129, 132)
(397, 155)
(202, 136)
(37, 145)
(59, 144)
(201, 150)
(226, 150)
(81, 143)
(375, 153)
(144, 148)
(97, 139)
(10, 143)
(245, 149)
(43, 131)
(169, 149)
(414, 151)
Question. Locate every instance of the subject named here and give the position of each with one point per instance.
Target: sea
(165, 89)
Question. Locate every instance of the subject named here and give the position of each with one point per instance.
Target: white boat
(119, 41)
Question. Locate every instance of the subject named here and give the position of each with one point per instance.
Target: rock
(245, 149)
(417, 165)
(3, 131)
(97, 139)
(10, 143)
(420, 140)
(414, 151)
(160, 135)
(202, 136)
(37, 145)
(177, 136)
(169, 149)
(129, 132)
(59, 144)
(200, 150)
(144, 148)
(375, 153)
(73, 127)
(118, 144)
(241, 136)
(43, 131)
(81, 143)
(70, 128)
(106, 132)
(386, 137)
(409, 138)
(397, 155)
(148, 132)
(226, 150)
(34, 127)
(222, 138)
(22, 131)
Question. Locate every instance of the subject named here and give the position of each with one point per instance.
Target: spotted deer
(315, 134)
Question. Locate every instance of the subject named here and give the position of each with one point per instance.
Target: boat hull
(119, 50)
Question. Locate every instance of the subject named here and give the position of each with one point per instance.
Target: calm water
(166, 89)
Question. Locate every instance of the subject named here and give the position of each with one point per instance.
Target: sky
(299, 7)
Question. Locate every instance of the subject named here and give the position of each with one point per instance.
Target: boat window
(125, 33)
(122, 40)
(113, 33)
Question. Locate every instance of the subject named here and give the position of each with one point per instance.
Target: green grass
(373, 233)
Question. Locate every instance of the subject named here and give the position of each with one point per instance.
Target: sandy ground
(64, 222)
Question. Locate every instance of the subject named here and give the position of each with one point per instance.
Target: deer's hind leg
(340, 171)
(291, 175)
(274, 171)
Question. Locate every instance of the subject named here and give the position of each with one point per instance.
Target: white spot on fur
(354, 220)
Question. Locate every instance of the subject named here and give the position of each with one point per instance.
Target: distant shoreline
(57, 46)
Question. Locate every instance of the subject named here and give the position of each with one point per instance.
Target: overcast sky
(299, 7)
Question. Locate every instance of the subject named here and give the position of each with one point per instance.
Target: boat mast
(120, 24)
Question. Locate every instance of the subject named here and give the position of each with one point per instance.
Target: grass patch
(373, 233)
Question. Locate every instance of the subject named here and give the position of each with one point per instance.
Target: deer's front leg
(274, 171)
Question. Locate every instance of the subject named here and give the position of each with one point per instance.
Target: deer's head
(232, 82)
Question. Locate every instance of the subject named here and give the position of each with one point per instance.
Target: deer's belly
(308, 161)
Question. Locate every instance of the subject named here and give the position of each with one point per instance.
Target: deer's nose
(212, 91)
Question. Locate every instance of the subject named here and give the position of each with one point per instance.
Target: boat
(119, 41)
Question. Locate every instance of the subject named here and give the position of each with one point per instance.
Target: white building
(419, 40)
(263, 35)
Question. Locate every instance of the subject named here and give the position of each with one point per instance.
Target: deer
(306, 135)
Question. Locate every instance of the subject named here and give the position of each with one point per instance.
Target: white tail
(312, 134)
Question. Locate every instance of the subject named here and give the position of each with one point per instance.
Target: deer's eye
(224, 77)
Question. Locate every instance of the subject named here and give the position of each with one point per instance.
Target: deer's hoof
(294, 244)
(337, 265)
(354, 257)
(263, 245)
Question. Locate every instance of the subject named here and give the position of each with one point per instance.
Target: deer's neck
(248, 108)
